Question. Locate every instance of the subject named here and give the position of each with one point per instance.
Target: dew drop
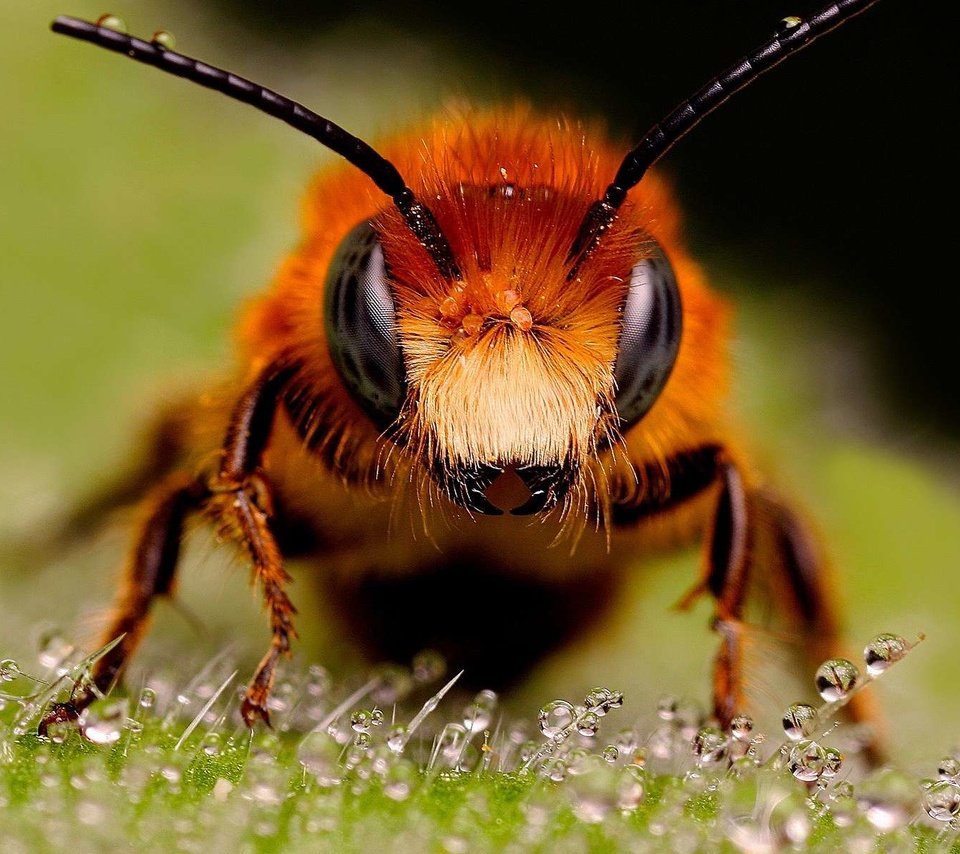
(888, 799)
(164, 40)
(52, 648)
(397, 738)
(555, 717)
(428, 666)
(112, 22)
(394, 683)
(882, 651)
(835, 679)
(942, 800)
(211, 744)
(361, 720)
(9, 670)
(807, 759)
(741, 727)
(799, 721)
(105, 730)
(479, 714)
(630, 788)
(667, 708)
(59, 731)
(318, 681)
(148, 698)
(319, 754)
(710, 745)
(627, 741)
(594, 794)
(554, 769)
(588, 723)
(832, 762)
(949, 768)
(400, 779)
(610, 754)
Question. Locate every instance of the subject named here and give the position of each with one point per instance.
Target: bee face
(518, 366)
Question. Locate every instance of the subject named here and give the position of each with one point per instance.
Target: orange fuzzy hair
(514, 361)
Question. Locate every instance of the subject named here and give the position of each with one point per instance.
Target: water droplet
(602, 700)
(105, 730)
(942, 800)
(428, 666)
(211, 744)
(949, 768)
(554, 769)
(888, 798)
(9, 670)
(667, 708)
(555, 717)
(90, 813)
(883, 651)
(164, 40)
(59, 731)
(832, 762)
(361, 720)
(630, 788)
(112, 22)
(319, 754)
(627, 741)
(394, 683)
(710, 746)
(479, 714)
(806, 761)
(799, 721)
(148, 698)
(588, 723)
(610, 754)
(400, 779)
(52, 648)
(594, 794)
(835, 679)
(318, 681)
(397, 738)
(361, 740)
(741, 727)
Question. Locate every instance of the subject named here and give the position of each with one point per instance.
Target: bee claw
(252, 709)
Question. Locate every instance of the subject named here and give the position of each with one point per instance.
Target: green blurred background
(138, 212)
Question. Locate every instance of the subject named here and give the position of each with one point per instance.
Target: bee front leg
(150, 571)
(241, 505)
(728, 564)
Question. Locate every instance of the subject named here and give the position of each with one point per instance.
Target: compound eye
(360, 321)
(649, 337)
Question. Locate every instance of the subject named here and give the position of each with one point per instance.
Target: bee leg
(804, 582)
(149, 572)
(241, 505)
(728, 565)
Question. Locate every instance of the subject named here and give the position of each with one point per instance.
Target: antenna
(793, 35)
(381, 171)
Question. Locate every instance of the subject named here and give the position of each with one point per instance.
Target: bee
(492, 330)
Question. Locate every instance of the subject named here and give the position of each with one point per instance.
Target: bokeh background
(138, 212)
